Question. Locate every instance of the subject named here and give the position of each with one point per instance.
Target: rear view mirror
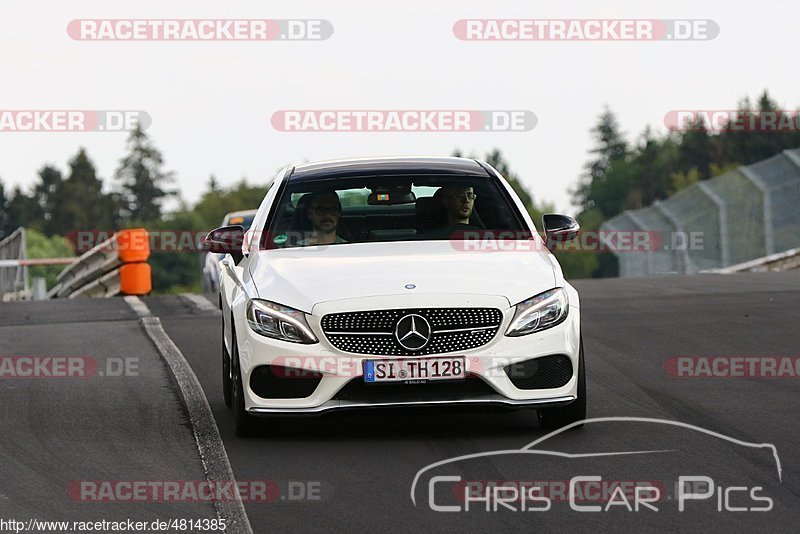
(226, 240)
(391, 196)
(559, 228)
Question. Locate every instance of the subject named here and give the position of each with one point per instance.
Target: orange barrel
(135, 279)
(133, 245)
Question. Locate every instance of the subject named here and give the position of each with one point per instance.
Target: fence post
(23, 254)
(769, 236)
(684, 262)
(638, 222)
(722, 210)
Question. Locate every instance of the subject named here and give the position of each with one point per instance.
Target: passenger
(324, 210)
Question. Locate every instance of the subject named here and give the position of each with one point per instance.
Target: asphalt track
(360, 466)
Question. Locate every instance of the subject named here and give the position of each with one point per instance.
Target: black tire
(562, 416)
(227, 383)
(244, 424)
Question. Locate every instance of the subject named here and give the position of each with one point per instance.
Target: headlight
(540, 312)
(279, 322)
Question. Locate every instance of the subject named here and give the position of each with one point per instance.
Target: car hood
(303, 277)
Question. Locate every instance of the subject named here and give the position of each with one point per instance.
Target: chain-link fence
(13, 278)
(744, 214)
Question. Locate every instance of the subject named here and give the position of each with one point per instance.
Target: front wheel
(575, 411)
(244, 424)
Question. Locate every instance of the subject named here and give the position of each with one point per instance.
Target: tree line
(57, 204)
(61, 204)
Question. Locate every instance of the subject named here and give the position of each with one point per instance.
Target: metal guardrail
(115, 266)
(782, 261)
(13, 274)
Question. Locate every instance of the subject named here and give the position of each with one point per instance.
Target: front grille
(540, 373)
(373, 332)
(275, 382)
(358, 390)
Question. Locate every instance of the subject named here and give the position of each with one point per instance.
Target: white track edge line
(200, 302)
(216, 465)
(138, 305)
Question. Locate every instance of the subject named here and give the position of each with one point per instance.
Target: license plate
(423, 369)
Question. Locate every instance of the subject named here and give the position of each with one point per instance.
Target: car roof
(388, 166)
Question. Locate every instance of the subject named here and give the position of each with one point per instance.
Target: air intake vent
(434, 390)
(540, 373)
(275, 382)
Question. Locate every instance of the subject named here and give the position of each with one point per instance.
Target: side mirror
(226, 240)
(559, 228)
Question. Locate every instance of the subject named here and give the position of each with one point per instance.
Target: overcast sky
(211, 102)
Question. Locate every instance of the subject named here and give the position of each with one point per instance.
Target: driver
(458, 203)
(324, 210)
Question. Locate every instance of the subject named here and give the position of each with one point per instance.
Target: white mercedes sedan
(397, 282)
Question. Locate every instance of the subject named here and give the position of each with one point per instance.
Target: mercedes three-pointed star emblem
(412, 332)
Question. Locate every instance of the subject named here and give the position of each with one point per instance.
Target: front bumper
(338, 368)
(493, 401)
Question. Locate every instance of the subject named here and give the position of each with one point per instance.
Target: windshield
(392, 208)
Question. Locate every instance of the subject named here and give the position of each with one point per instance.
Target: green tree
(696, 150)
(599, 186)
(682, 180)
(213, 184)
(576, 263)
(496, 159)
(5, 220)
(748, 147)
(22, 209)
(652, 162)
(80, 203)
(35, 210)
(216, 202)
(142, 179)
(41, 246)
(45, 196)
